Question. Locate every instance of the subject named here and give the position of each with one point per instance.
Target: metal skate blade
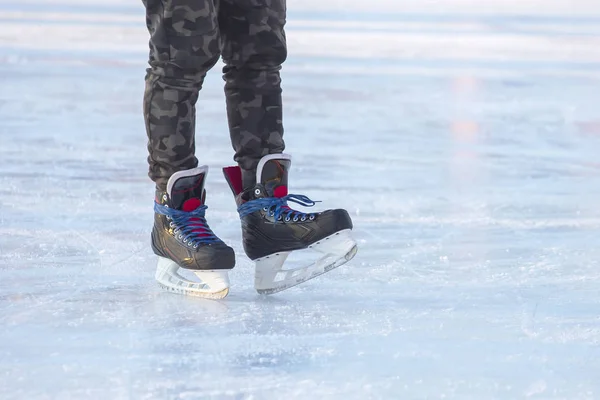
(271, 277)
(213, 285)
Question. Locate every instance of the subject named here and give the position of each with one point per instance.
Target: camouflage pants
(187, 37)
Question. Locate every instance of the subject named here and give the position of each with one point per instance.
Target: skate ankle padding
(233, 176)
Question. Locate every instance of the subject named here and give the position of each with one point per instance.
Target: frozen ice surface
(463, 136)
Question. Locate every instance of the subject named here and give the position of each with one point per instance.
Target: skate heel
(214, 284)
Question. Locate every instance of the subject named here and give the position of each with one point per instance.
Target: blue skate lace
(277, 207)
(191, 226)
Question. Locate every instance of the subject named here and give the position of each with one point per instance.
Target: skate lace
(277, 207)
(190, 226)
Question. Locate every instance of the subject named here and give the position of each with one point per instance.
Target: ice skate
(182, 238)
(271, 230)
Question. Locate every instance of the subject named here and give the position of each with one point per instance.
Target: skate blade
(213, 284)
(270, 278)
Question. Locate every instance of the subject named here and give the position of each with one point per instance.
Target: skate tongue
(186, 189)
(272, 173)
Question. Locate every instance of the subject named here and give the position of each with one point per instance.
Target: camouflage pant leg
(253, 49)
(184, 45)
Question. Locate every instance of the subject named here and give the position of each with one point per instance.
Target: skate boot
(271, 230)
(182, 238)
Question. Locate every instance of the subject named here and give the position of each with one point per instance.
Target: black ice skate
(271, 230)
(182, 239)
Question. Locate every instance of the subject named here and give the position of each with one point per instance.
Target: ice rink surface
(463, 136)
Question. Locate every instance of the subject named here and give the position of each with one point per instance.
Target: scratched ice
(463, 136)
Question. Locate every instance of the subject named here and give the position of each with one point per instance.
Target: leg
(253, 48)
(184, 45)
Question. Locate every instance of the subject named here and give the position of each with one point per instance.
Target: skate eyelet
(168, 218)
(272, 213)
(171, 224)
(279, 218)
(312, 217)
(195, 246)
(265, 209)
(179, 236)
(164, 197)
(303, 218)
(287, 219)
(257, 192)
(295, 219)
